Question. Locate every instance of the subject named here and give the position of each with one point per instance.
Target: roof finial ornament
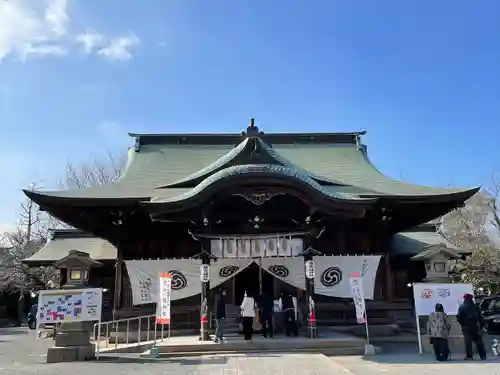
(253, 130)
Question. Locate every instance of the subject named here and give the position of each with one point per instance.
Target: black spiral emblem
(179, 281)
(331, 276)
(228, 271)
(278, 270)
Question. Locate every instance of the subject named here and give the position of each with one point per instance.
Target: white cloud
(30, 26)
(41, 28)
(118, 49)
(90, 40)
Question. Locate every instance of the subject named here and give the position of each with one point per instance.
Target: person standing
(288, 309)
(248, 314)
(471, 320)
(266, 314)
(220, 317)
(438, 328)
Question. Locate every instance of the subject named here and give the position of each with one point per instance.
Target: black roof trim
(233, 139)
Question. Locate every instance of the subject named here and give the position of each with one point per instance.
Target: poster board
(71, 305)
(451, 296)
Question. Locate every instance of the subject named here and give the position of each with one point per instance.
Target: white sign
(451, 296)
(356, 283)
(204, 273)
(72, 305)
(310, 269)
(163, 312)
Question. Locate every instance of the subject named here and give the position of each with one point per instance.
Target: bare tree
(94, 173)
(34, 227)
(476, 226)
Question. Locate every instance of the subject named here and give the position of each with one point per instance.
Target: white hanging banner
(289, 270)
(225, 269)
(144, 278)
(356, 283)
(163, 309)
(272, 247)
(240, 247)
(332, 273)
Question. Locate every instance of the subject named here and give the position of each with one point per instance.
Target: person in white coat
(248, 308)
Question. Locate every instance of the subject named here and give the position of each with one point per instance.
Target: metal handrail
(114, 324)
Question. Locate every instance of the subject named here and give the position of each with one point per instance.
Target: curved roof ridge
(219, 163)
(259, 168)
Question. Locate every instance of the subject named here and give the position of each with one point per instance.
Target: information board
(72, 305)
(451, 296)
(163, 306)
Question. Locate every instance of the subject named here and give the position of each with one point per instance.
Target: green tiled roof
(415, 241)
(69, 239)
(159, 165)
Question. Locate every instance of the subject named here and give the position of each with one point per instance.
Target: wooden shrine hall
(254, 207)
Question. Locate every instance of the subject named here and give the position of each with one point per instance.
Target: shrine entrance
(253, 280)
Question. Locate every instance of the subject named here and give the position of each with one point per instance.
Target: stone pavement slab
(412, 364)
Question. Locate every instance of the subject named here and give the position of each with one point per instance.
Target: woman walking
(248, 314)
(438, 328)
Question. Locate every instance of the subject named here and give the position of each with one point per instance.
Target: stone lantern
(72, 341)
(437, 260)
(78, 266)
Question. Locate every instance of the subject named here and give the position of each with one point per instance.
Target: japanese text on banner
(163, 315)
(358, 297)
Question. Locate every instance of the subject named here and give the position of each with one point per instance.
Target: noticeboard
(72, 305)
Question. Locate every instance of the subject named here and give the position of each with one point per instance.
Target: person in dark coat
(471, 320)
(220, 317)
(266, 314)
(288, 309)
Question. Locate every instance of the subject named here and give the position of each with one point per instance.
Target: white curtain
(144, 278)
(239, 247)
(332, 274)
(289, 270)
(225, 269)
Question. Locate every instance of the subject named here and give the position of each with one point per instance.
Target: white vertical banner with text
(163, 309)
(358, 297)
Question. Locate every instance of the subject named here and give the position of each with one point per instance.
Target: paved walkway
(413, 364)
(22, 354)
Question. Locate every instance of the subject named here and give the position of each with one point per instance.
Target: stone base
(71, 353)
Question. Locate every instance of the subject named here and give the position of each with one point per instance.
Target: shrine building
(255, 208)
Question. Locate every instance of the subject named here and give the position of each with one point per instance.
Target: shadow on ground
(206, 359)
(13, 331)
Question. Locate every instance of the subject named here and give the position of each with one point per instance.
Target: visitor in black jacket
(220, 317)
(471, 320)
(288, 308)
(266, 314)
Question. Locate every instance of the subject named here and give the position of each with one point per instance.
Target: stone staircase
(233, 317)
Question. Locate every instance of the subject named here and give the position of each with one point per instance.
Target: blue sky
(422, 77)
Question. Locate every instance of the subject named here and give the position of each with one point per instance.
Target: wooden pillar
(389, 280)
(118, 281)
(206, 304)
(309, 268)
